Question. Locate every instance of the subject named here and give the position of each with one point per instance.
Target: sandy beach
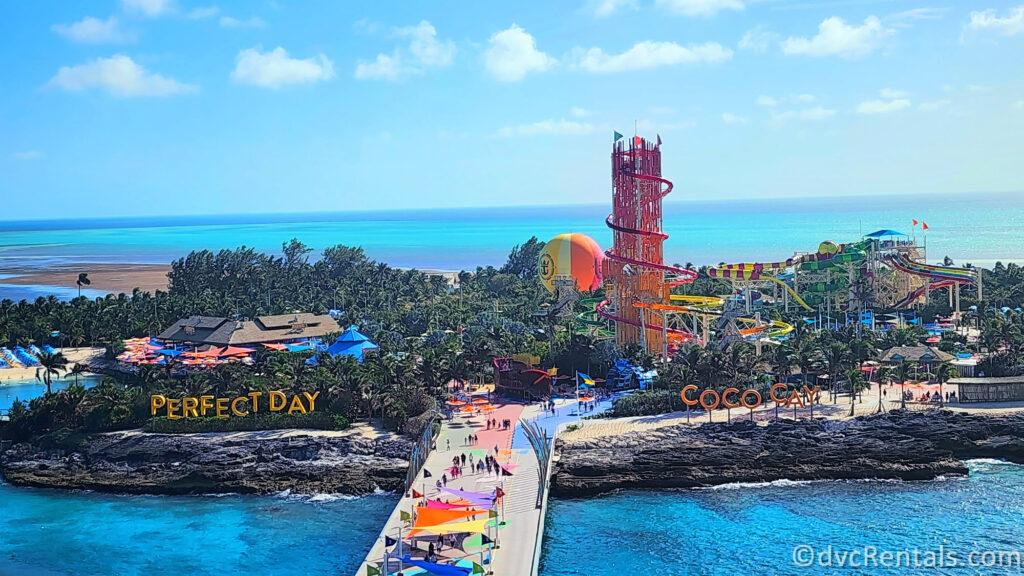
(74, 356)
(111, 277)
(596, 428)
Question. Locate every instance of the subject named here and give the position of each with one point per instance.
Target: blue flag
(617, 137)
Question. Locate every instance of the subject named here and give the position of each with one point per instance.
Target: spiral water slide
(935, 276)
(678, 275)
(760, 271)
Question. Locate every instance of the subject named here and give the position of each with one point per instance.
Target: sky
(150, 107)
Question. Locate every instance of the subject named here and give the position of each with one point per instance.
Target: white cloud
(757, 39)
(383, 68)
(512, 54)
(579, 112)
(425, 47)
(91, 30)
(934, 105)
(251, 22)
(1012, 24)
(424, 51)
(978, 88)
(28, 155)
(203, 13)
(1018, 105)
(906, 18)
(548, 128)
(766, 101)
(804, 98)
(120, 76)
(882, 106)
(890, 94)
(275, 69)
(648, 55)
(699, 7)
(837, 38)
(149, 8)
(816, 113)
(730, 118)
(602, 8)
(661, 110)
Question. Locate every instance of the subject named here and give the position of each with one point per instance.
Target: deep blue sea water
(754, 529)
(979, 228)
(50, 532)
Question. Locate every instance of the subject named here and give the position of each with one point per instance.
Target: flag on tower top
(659, 139)
(617, 137)
(638, 141)
(915, 222)
(924, 225)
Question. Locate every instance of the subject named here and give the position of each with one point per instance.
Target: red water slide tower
(634, 266)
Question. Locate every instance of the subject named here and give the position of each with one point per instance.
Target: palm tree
(855, 377)
(944, 373)
(77, 370)
(884, 375)
(50, 365)
(83, 280)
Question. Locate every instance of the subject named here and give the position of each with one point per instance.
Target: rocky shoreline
(134, 462)
(898, 445)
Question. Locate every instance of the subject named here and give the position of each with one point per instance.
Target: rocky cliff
(898, 445)
(304, 461)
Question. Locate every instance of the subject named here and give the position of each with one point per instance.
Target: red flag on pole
(638, 141)
(498, 492)
(915, 222)
(416, 494)
(924, 225)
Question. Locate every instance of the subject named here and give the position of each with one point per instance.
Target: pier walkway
(518, 536)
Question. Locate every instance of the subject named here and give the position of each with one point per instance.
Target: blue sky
(139, 107)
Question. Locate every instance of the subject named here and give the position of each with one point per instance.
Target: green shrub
(315, 420)
(647, 403)
(62, 439)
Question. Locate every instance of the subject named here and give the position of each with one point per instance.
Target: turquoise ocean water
(57, 533)
(980, 228)
(28, 389)
(728, 531)
(754, 529)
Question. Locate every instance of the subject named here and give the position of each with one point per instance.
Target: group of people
(459, 463)
(929, 396)
(494, 424)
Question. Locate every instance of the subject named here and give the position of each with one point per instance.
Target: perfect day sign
(212, 406)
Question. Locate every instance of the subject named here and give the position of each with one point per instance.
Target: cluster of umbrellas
(148, 351)
(472, 406)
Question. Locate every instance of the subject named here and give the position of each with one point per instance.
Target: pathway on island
(517, 539)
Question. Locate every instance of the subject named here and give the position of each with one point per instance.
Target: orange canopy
(235, 351)
(435, 516)
(275, 346)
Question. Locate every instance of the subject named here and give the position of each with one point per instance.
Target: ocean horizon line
(850, 203)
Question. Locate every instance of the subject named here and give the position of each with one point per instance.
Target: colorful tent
(426, 516)
(438, 569)
(275, 346)
(468, 527)
(352, 343)
(477, 498)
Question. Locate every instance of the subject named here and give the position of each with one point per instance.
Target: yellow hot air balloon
(571, 256)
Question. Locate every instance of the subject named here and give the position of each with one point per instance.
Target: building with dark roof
(924, 355)
(218, 331)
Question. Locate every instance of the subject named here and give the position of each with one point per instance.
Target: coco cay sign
(750, 399)
(251, 403)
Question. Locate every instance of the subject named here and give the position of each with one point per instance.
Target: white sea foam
(745, 485)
